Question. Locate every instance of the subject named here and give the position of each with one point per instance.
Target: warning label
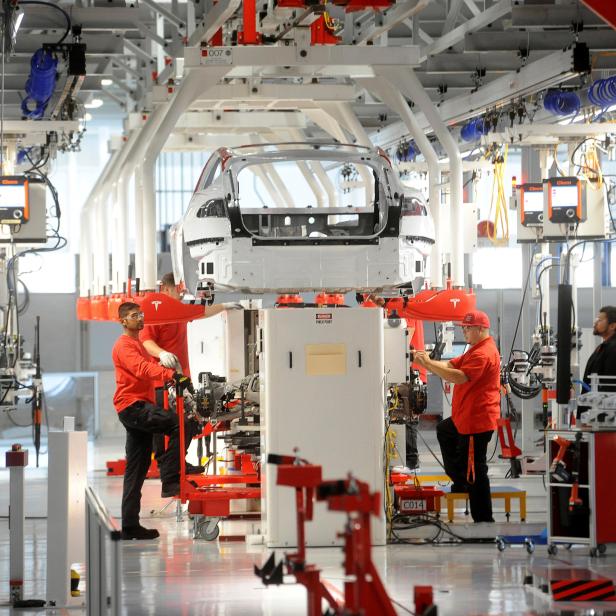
(324, 318)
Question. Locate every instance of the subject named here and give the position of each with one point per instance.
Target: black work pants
(141, 421)
(192, 429)
(454, 448)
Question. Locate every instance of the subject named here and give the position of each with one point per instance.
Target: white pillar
(386, 90)
(138, 192)
(66, 509)
(413, 88)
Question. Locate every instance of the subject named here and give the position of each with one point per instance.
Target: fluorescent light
(106, 82)
(95, 103)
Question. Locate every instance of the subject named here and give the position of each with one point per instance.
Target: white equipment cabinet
(322, 391)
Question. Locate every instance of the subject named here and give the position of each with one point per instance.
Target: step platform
(506, 493)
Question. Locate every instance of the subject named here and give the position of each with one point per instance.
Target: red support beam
(606, 9)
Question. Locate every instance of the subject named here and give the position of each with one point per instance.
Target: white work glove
(232, 306)
(169, 360)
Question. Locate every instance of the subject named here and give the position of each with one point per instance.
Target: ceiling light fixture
(106, 82)
(95, 103)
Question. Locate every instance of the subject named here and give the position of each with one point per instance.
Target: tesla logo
(455, 301)
(156, 303)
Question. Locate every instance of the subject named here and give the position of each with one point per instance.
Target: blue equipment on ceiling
(40, 84)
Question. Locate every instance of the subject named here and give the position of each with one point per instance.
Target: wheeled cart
(582, 512)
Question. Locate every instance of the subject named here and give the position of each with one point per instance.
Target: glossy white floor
(177, 575)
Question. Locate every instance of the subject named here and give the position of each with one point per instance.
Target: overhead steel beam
(472, 7)
(213, 21)
(222, 95)
(115, 98)
(455, 8)
(398, 13)
(553, 69)
(152, 36)
(602, 39)
(547, 15)
(107, 44)
(126, 67)
(117, 18)
(549, 133)
(168, 15)
(25, 127)
(244, 61)
(136, 50)
(495, 12)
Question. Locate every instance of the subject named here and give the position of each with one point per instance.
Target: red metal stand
(211, 495)
(508, 447)
(364, 592)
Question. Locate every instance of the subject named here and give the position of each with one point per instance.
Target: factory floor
(178, 575)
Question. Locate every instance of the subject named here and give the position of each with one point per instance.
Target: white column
(386, 90)
(413, 88)
(66, 509)
(138, 192)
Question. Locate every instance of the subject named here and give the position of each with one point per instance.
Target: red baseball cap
(476, 317)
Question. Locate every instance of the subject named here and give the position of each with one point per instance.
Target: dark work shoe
(139, 532)
(169, 490)
(191, 469)
(488, 521)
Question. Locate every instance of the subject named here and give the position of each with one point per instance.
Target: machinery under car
(301, 217)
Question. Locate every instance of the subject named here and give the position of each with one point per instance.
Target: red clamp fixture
(364, 592)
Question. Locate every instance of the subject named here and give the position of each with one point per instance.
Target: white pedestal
(66, 530)
(322, 390)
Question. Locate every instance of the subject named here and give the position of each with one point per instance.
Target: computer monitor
(564, 198)
(457, 349)
(14, 206)
(531, 204)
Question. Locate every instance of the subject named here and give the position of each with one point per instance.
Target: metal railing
(104, 575)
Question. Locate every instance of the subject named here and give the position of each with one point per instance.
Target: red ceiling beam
(606, 9)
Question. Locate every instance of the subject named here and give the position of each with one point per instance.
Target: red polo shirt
(135, 373)
(171, 337)
(475, 406)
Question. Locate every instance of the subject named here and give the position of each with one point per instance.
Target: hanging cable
(474, 129)
(561, 102)
(498, 202)
(57, 8)
(602, 92)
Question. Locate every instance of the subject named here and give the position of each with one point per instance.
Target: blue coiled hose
(474, 129)
(407, 152)
(40, 84)
(561, 102)
(602, 92)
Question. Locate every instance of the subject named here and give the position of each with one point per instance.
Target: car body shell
(220, 245)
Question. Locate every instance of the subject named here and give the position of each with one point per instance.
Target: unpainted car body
(301, 217)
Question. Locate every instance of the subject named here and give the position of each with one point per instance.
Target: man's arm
(444, 369)
(212, 310)
(134, 362)
(152, 348)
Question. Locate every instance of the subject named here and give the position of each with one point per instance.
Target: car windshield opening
(310, 199)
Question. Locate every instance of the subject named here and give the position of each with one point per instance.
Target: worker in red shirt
(169, 344)
(475, 409)
(135, 374)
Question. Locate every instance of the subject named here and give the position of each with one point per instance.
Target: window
(498, 267)
(176, 176)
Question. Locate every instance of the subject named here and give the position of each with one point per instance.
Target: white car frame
(220, 245)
